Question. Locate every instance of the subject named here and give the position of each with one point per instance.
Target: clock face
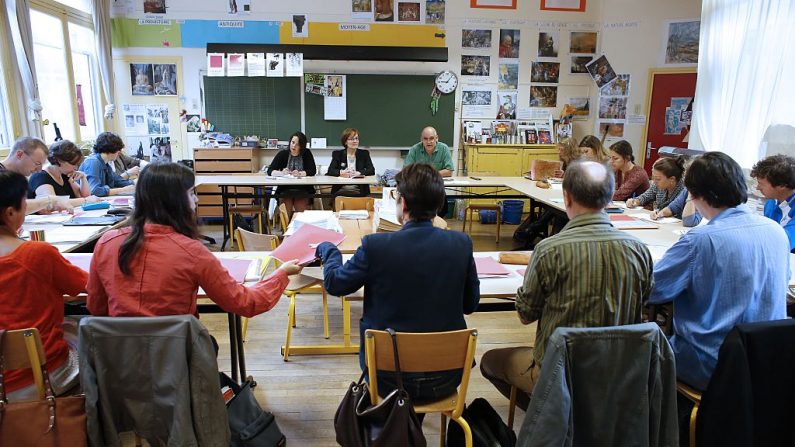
(446, 82)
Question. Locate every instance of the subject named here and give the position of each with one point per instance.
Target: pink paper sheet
(488, 266)
(236, 267)
(521, 271)
(301, 245)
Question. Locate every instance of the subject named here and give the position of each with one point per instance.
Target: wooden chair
(284, 217)
(477, 207)
(426, 352)
(261, 212)
(248, 241)
(22, 349)
(354, 203)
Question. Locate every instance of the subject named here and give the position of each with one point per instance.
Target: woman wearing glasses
(61, 177)
(350, 162)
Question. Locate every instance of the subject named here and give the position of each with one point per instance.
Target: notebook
(301, 245)
(88, 220)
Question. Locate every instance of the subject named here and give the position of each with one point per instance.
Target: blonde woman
(568, 151)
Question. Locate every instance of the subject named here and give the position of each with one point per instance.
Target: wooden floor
(304, 392)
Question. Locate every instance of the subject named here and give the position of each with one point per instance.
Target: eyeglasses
(394, 194)
(353, 139)
(38, 164)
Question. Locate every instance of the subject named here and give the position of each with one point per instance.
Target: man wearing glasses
(27, 156)
(435, 153)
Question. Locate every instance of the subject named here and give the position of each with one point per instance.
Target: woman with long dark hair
(155, 266)
(298, 162)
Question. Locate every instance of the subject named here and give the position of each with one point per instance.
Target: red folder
(301, 245)
(489, 266)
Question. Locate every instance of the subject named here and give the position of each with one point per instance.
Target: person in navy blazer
(341, 167)
(418, 279)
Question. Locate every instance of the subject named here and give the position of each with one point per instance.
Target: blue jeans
(421, 386)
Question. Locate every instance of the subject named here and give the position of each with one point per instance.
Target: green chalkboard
(388, 110)
(266, 107)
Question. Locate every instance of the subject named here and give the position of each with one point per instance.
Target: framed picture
(493, 4)
(681, 42)
(563, 5)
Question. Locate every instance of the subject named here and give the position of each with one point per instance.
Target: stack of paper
(237, 268)
(386, 221)
(322, 219)
(623, 222)
(354, 214)
(488, 267)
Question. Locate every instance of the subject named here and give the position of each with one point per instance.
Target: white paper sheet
(335, 104)
(256, 64)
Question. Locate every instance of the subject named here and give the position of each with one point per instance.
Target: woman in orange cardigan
(35, 278)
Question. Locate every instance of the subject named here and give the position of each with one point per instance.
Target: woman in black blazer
(350, 162)
(299, 162)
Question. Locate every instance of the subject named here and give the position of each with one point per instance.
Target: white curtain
(745, 82)
(102, 31)
(23, 67)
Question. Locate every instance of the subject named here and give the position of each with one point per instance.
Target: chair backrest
(422, 352)
(354, 203)
(248, 241)
(284, 218)
(22, 348)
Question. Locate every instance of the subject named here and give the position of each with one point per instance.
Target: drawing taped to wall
(434, 12)
(476, 38)
(141, 76)
(475, 65)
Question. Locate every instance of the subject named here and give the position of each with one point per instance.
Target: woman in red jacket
(155, 266)
(35, 278)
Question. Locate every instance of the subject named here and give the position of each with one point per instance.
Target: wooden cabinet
(504, 160)
(222, 161)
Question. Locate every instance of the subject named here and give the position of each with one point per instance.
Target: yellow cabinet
(504, 160)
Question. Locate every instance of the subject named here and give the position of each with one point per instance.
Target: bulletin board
(663, 85)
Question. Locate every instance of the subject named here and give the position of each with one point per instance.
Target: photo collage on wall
(612, 114)
(146, 131)
(153, 79)
(399, 11)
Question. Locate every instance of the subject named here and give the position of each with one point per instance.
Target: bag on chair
(52, 422)
(392, 422)
(251, 426)
(488, 429)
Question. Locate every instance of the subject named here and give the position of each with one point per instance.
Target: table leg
(241, 353)
(225, 205)
(233, 344)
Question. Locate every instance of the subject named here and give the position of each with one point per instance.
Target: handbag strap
(399, 375)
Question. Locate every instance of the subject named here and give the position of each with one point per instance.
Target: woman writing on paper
(631, 179)
(35, 278)
(667, 176)
(61, 177)
(592, 149)
(350, 162)
(155, 266)
(297, 162)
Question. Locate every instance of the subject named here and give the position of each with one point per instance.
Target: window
(66, 70)
(5, 114)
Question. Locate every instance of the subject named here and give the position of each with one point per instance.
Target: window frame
(66, 15)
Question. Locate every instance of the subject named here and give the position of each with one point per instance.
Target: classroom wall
(631, 35)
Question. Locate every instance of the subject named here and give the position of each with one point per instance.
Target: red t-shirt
(35, 278)
(166, 273)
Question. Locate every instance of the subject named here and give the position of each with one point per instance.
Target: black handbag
(251, 426)
(393, 422)
(488, 429)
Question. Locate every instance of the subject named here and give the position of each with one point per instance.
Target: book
(544, 137)
(530, 136)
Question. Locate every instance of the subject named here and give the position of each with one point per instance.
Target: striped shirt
(661, 197)
(588, 275)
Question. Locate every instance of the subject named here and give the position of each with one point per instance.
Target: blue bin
(512, 211)
(488, 217)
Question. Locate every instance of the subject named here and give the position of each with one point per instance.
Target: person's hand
(632, 203)
(299, 173)
(558, 173)
(291, 267)
(656, 215)
(355, 174)
(91, 199)
(62, 204)
(128, 189)
(133, 172)
(76, 176)
(345, 174)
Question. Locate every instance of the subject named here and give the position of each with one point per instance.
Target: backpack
(388, 178)
(488, 429)
(251, 426)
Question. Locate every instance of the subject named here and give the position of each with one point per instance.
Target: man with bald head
(26, 157)
(588, 275)
(435, 153)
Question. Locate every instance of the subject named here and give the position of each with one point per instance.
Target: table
(68, 239)
(227, 180)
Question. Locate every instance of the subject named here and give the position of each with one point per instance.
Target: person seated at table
(682, 206)
(667, 177)
(27, 156)
(568, 151)
(61, 177)
(435, 153)
(102, 181)
(408, 287)
(563, 287)
(35, 278)
(775, 176)
(349, 163)
(735, 269)
(298, 162)
(591, 148)
(631, 179)
(155, 266)
(127, 167)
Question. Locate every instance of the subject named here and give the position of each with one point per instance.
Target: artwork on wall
(408, 12)
(563, 5)
(361, 9)
(619, 87)
(434, 12)
(545, 72)
(384, 11)
(509, 43)
(165, 77)
(507, 108)
(548, 44)
(141, 76)
(583, 42)
(475, 65)
(154, 6)
(508, 78)
(493, 4)
(681, 42)
(239, 6)
(476, 38)
(578, 64)
(543, 96)
(601, 71)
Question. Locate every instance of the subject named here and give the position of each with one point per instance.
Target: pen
(475, 178)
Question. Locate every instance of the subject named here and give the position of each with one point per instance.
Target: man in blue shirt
(775, 176)
(101, 179)
(733, 270)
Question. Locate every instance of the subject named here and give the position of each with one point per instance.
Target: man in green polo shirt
(431, 151)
